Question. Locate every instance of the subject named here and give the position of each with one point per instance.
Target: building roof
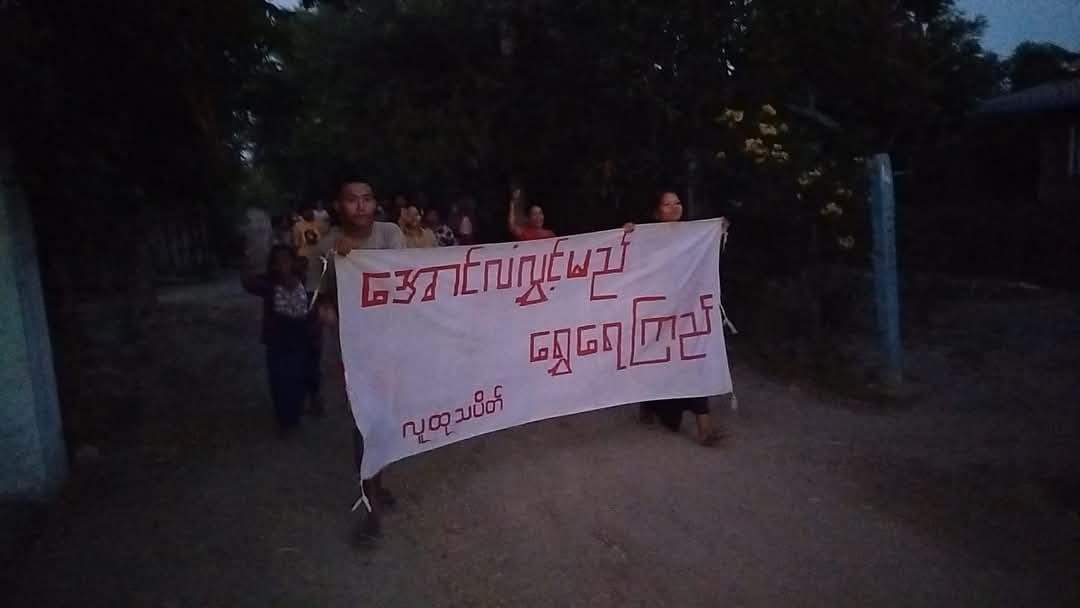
(1046, 97)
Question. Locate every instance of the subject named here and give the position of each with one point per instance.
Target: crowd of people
(297, 287)
(422, 224)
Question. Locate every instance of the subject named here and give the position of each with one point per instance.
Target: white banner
(445, 344)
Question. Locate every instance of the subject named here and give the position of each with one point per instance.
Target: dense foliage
(594, 102)
(598, 102)
(114, 113)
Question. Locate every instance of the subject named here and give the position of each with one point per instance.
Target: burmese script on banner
(444, 344)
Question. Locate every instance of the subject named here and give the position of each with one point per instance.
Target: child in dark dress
(287, 327)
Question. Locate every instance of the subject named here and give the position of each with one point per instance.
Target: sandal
(712, 438)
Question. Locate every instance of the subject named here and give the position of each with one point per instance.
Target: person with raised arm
(532, 228)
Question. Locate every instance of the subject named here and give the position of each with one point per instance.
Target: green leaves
(544, 88)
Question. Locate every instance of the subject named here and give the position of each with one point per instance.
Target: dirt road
(961, 499)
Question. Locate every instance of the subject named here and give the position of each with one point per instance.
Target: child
(287, 327)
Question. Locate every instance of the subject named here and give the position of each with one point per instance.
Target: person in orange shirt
(533, 227)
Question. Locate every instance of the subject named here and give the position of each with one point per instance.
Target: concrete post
(886, 287)
(33, 462)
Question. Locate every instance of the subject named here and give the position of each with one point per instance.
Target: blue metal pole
(886, 288)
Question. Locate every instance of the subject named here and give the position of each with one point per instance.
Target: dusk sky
(1014, 21)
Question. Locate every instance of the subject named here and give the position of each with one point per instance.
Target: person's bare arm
(328, 311)
(725, 225)
(297, 235)
(326, 304)
(513, 217)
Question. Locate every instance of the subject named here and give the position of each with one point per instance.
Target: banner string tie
(363, 500)
(322, 275)
(723, 314)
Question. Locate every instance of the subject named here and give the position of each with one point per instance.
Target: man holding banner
(356, 206)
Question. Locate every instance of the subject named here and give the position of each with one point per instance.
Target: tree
(1034, 63)
(598, 95)
(112, 114)
(889, 73)
(584, 98)
(112, 111)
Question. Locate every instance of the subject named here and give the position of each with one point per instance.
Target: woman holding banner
(668, 208)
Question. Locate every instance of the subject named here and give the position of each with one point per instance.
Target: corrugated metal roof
(1050, 96)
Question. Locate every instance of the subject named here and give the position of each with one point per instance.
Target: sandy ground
(965, 497)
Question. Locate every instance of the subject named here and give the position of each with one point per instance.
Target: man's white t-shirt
(384, 235)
